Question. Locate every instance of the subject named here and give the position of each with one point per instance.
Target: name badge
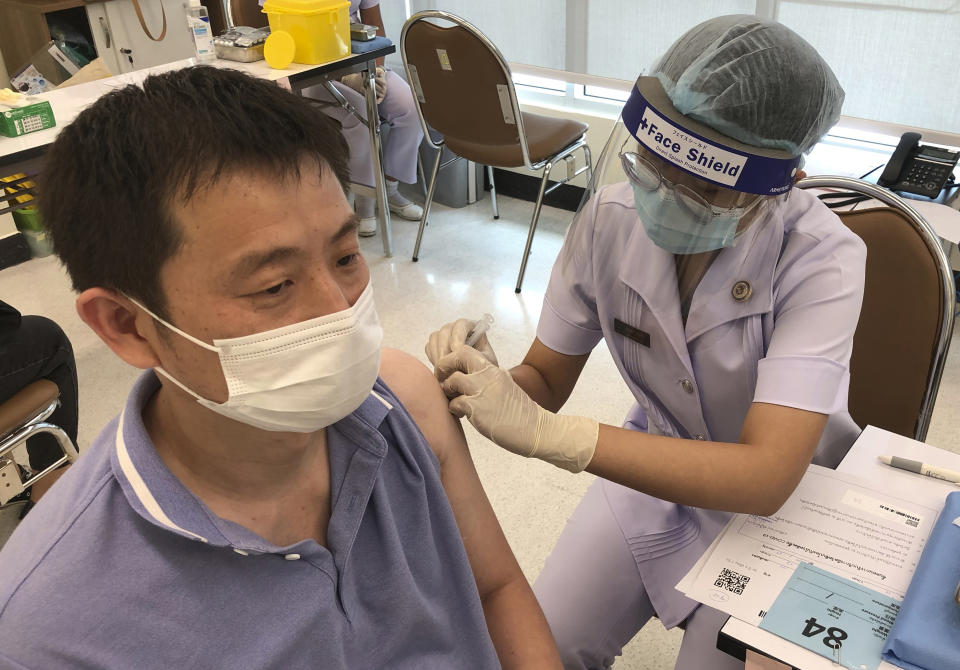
(635, 334)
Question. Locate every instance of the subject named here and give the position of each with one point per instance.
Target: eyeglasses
(645, 175)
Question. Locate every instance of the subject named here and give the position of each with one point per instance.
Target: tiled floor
(468, 266)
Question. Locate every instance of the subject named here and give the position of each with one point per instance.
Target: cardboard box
(17, 121)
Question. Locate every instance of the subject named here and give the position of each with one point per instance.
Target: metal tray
(240, 54)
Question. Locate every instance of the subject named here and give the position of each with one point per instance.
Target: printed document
(834, 521)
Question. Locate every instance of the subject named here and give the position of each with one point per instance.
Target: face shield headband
(698, 150)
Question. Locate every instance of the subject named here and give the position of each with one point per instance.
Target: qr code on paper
(732, 581)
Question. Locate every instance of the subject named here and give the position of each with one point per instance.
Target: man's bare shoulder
(419, 391)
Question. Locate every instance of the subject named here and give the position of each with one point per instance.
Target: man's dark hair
(111, 176)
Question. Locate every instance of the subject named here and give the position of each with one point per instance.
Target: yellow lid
(303, 7)
(278, 50)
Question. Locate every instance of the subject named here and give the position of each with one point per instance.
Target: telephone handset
(918, 168)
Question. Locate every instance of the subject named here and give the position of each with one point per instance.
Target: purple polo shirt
(120, 566)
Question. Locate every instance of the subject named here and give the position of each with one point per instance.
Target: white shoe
(411, 211)
(367, 227)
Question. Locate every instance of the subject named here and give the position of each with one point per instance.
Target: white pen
(951, 476)
(482, 326)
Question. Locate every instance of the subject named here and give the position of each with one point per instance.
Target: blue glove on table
(926, 634)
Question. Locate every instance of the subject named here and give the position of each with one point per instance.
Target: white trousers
(399, 149)
(594, 598)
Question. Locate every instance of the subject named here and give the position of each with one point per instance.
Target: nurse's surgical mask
(675, 217)
(299, 378)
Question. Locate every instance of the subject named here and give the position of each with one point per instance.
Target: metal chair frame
(936, 248)
(545, 165)
(33, 426)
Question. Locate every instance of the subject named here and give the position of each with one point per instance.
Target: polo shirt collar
(161, 499)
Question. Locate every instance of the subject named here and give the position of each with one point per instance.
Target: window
(895, 60)
(529, 32)
(625, 37)
(893, 57)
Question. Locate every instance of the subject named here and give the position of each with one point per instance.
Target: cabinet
(111, 26)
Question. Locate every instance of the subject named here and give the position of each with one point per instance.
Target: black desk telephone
(917, 168)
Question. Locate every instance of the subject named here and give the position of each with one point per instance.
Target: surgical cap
(753, 80)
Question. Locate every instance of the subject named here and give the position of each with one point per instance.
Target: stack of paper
(836, 522)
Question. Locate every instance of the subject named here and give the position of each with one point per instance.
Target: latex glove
(450, 338)
(355, 81)
(501, 411)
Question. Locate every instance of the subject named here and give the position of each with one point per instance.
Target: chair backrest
(247, 13)
(462, 84)
(906, 323)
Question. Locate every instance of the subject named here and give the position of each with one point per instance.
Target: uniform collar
(751, 265)
(651, 272)
(162, 500)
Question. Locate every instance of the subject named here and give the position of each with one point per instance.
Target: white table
(944, 219)
(736, 636)
(25, 153)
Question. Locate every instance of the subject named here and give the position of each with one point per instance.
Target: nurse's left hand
(501, 411)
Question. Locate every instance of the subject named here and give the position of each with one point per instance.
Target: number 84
(834, 638)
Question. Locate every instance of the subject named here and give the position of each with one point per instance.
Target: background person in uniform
(400, 147)
(729, 303)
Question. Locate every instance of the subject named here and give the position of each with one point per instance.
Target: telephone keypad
(925, 177)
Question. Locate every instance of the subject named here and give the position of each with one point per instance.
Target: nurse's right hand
(450, 338)
(503, 412)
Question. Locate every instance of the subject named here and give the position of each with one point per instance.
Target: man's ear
(121, 325)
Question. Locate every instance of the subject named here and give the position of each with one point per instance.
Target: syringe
(481, 327)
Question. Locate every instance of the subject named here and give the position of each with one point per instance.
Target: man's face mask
(675, 217)
(299, 378)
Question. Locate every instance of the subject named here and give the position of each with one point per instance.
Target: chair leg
(423, 177)
(533, 223)
(588, 157)
(493, 192)
(427, 203)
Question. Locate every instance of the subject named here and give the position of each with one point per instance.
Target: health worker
(728, 301)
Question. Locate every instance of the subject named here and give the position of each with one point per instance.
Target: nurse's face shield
(694, 189)
(703, 201)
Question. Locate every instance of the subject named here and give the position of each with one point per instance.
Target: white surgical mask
(299, 378)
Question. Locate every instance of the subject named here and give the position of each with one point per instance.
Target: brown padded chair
(901, 342)
(463, 89)
(21, 417)
(246, 13)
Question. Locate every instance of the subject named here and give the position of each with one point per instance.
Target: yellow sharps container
(320, 28)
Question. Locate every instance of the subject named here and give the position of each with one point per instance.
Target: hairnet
(753, 80)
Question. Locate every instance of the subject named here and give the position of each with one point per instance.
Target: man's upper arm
(489, 553)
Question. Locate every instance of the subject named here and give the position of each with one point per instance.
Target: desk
(25, 153)
(736, 636)
(944, 219)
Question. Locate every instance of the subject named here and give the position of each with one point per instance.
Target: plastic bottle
(198, 23)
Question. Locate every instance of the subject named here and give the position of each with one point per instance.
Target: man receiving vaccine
(277, 492)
